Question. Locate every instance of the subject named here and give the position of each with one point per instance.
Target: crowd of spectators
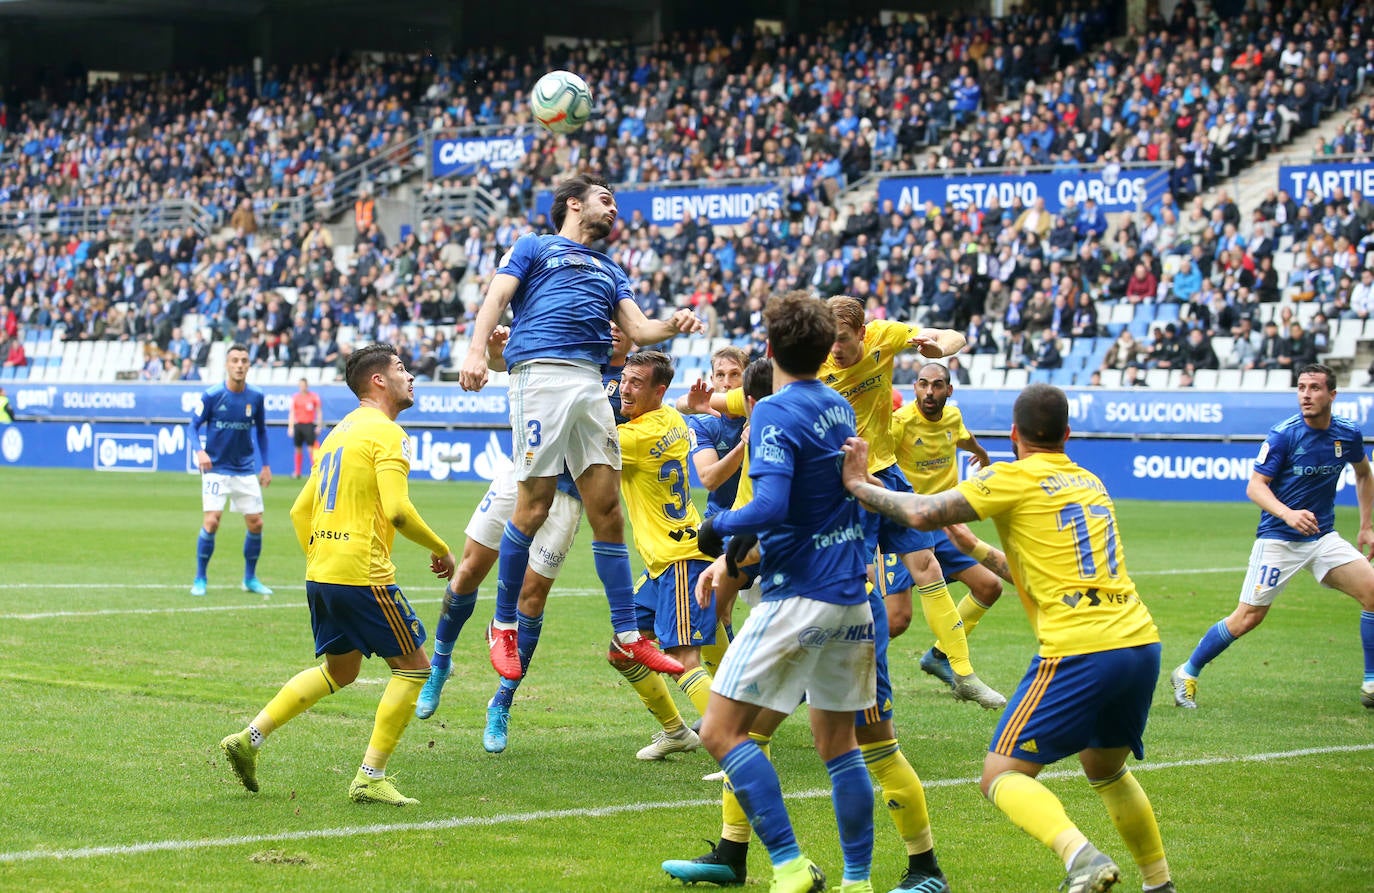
(217, 138)
(1023, 283)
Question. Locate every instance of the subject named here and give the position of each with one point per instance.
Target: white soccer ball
(561, 102)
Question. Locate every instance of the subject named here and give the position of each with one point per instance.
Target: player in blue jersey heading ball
(1294, 484)
(563, 296)
(225, 424)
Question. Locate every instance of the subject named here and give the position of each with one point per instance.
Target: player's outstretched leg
(726, 865)
(496, 734)
(1091, 872)
(935, 663)
(243, 758)
(1184, 686)
(454, 614)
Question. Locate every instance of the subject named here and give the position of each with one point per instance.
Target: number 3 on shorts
(535, 435)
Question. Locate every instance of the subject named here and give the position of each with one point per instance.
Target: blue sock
(252, 548)
(1216, 640)
(526, 640)
(612, 562)
(756, 787)
(458, 607)
(510, 572)
(205, 547)
(1367, 640)
(852, 793)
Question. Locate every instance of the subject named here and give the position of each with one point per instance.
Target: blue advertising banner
(1324, 179)
(1183, 413)
(459, 455)
(1158, 470)
(1126, 413)
(1129, 190)
(435, 404)
(667, 207)
(466, 156)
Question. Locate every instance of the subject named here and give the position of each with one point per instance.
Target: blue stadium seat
(1061, 378)
(1041, 376)
(1166, 313)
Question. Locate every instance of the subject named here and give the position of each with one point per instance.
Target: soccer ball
(561, 102)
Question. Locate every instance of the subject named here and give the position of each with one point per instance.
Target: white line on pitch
(160, 846)
(295, 603)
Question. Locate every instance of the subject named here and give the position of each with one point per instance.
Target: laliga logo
(190, 402)
(109, 452)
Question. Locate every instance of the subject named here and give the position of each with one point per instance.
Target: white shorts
(242, 491)
(559, 415)
(551, 542)
(799, 646)
(1274, 562)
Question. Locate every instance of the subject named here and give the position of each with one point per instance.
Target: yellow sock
(943, 619)
(1033, 809)
(971, 611)
(295, 697)
(734, 824)
(712, 654)
(1134, 819)
(902, 792)
(696, 685)
(653, 691)
(394, 713)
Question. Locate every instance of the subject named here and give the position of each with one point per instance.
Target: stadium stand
(819, 111)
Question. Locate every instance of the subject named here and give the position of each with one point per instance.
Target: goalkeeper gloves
(740, 545)
(708, 541)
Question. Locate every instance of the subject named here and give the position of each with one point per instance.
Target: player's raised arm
(937, 343)
(643, 330)
(472, 375)
(911, 509)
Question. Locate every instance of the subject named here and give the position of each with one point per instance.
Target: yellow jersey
(735, 405)
(867, 385)
(1059, 532)
(350, 540)
(926, 450)
(654, 451)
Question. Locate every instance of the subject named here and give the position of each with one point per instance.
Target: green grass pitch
(116, 686)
